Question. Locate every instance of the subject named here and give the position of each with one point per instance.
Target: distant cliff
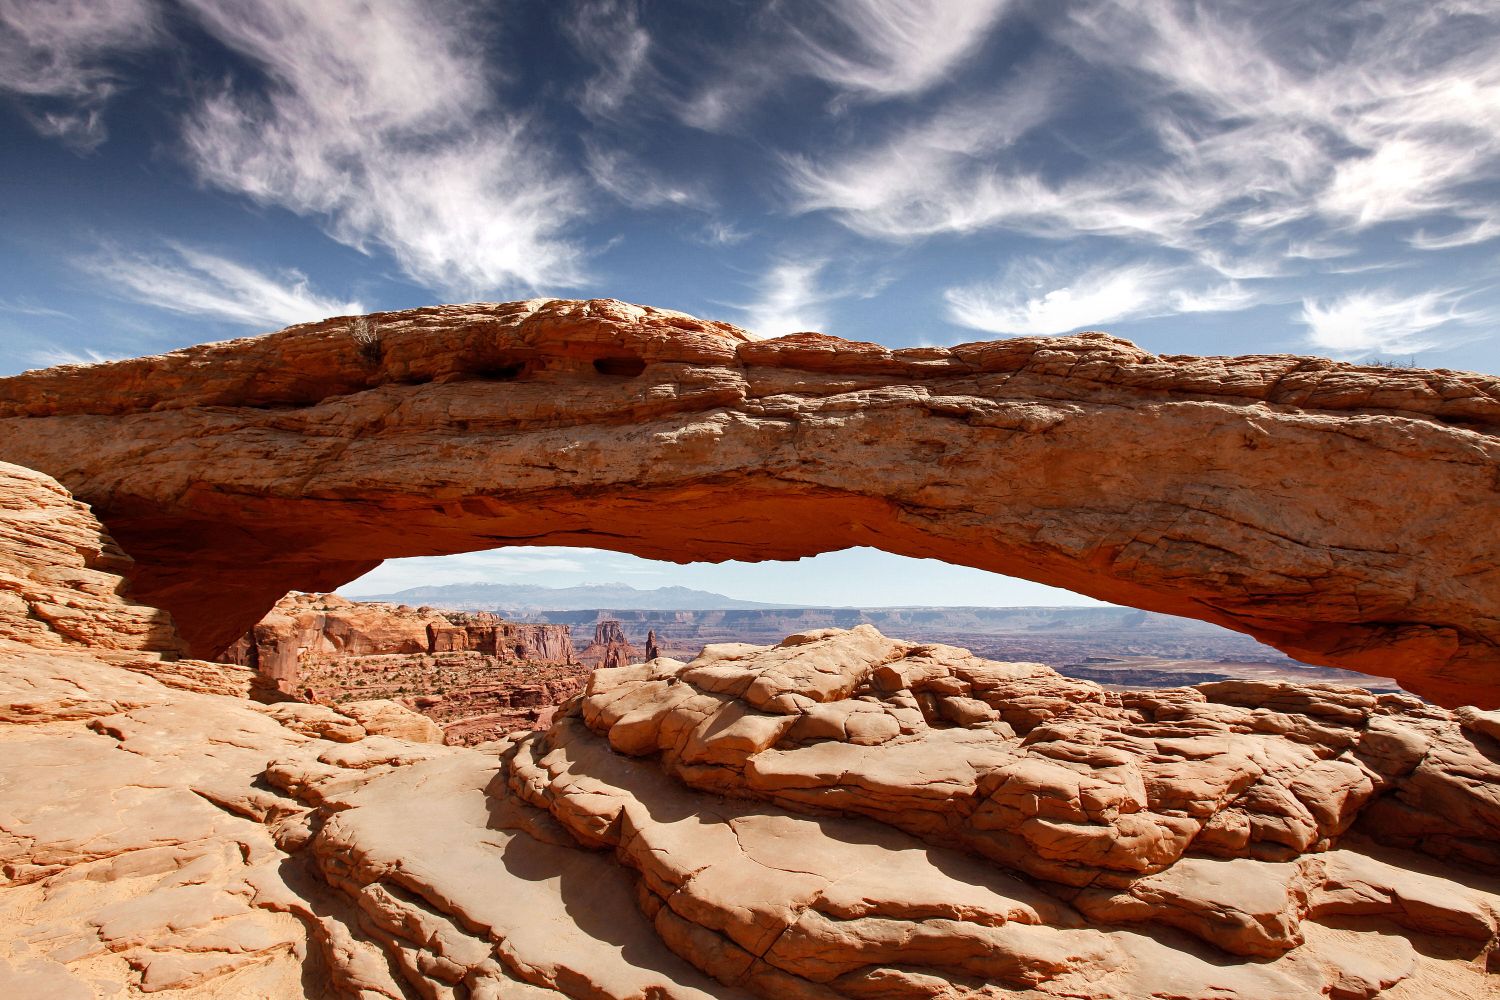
(475, 674)
(304, 628)
(1049, 635)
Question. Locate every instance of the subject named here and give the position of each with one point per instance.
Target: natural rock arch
(1343, 514)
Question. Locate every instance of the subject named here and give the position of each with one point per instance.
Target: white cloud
(1317, 250)
(790, 300)
(937, 173)
(1035, 298)
(185, 280)
(1481, 231)
(57, 55)
(379, 120)
(869, 50)
(50, 356)
(1023, 304)
(27, 308)
(1401, 179)
(1381, 322)
(717, 232)
(887, 48)
(1228, 297)
(1333, 117)
(636, 185)
(609, 32)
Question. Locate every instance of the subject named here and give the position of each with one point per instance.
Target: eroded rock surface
(841, 815)
(610, 646)
(474, 674)
(1289, 498)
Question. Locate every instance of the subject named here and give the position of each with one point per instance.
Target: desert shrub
(366, 337)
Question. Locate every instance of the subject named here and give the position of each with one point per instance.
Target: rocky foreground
(840, 815)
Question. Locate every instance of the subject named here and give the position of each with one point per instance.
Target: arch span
(1344, 514)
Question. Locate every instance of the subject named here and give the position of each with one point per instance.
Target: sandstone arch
(1343, 514)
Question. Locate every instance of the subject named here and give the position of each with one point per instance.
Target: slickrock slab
(1187, 808)
(156, 838)
(842, 815)
(1343, 514)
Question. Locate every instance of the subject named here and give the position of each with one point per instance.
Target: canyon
(476, 675)
(1120, 646)
(1283, 497)
(480, 676)
(839, 813)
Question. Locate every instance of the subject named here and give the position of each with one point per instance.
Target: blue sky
(1226, 177)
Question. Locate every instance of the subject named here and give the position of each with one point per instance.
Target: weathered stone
(235, 472)
(807, 823)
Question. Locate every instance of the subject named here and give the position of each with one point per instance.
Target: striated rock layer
(476, 675)
(840, 815)
(610, 647)
(1343, 514)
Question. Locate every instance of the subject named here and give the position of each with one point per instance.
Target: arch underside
(1343, 515)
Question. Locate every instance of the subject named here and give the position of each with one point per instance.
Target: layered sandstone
(840, 815)
(1344, 514)
(611, 647)
(476, 675)
(135, 855)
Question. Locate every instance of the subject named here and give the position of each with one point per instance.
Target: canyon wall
(303, 630)
(475, 674)
(1343, 514)
(610, 647)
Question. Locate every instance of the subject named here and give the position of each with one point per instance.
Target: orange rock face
(303, 630)
(476, 675)
(1343, 514)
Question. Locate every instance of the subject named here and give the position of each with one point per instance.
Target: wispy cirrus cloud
(49, 357)
(905, 186)
(609, 33)
(885, 48)
(865, 50)
(637, 185)
(1379, 321)
(1263, 121)
(380, 121)
(24, 307)
(1037, 298)
(1483, 230)
(790, 299)
(185, 280)
(59, 57)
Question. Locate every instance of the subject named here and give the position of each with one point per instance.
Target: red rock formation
(906, 821)
(1344, 514)
(610, 648)
(319, 626)
(303, 626)
(484, 632)
(1239, 813)
(476, 674)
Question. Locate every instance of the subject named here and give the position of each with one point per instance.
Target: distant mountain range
(685, 619)
(526, 598)
(1104, 643)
